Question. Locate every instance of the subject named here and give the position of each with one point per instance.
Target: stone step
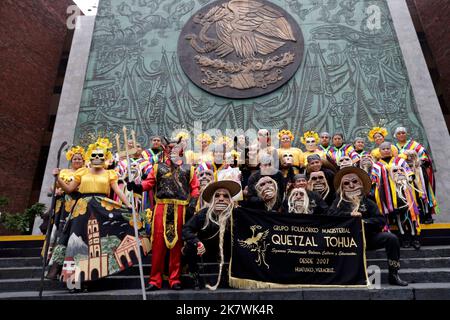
(415, 291)
(19, 268)
(20, 262)
(118, 282)
(20, 252)
(424, 252)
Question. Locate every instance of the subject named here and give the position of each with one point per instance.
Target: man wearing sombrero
(206, 231)
(352, 185)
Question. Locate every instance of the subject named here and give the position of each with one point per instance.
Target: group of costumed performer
(97, 235)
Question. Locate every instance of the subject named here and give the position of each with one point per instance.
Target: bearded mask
(318, 183)
(398, 174)
(412, 159)
(98, 158)
(205, 177)
(287, 159)
(366, 161)
(352, 187)
(345, 161)
(267, 189)
(311, 144)
(298, 201)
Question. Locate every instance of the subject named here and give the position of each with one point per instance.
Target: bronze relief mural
(350, 78)
(240, 48)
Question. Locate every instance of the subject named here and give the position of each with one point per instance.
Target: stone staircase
(427, 271)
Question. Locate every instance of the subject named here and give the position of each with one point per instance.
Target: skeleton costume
(353, 184)
(209, 228)
(98, 230)
(310, 140)
(176, 187)
(291, 159)
(63, 206)
(425, 182)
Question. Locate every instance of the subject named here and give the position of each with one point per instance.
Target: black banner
(282, 251)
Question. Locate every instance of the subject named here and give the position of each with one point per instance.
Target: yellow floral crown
(285, 133)
(376, 130)
(225, 140)
(101, 143)
(73, 151)
(204, 136)
(184, 135)
(235, 154)
(309, 134)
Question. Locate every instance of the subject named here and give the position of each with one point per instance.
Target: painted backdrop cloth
(282, 251)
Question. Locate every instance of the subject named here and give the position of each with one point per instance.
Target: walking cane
(50, 223)
(136, 235)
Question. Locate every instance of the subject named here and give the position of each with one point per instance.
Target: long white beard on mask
(221, 219)
(294, 206)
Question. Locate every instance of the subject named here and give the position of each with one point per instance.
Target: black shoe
(428, 221)
(151, 287)
(198, 281)
(176, 286)
(394, 279)
(416, 244)
(406, 244)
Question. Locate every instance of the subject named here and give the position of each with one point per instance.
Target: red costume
(175, 186)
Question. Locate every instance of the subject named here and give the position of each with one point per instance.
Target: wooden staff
(136, 234)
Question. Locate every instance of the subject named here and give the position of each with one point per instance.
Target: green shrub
(22, 222)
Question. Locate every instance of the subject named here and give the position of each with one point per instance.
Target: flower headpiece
(285, 133)
(101, 143)
(225, 140)
(376, 130)
(235, 154)
(184, 135)
(309, 134)
(204, 136)
(73, 151)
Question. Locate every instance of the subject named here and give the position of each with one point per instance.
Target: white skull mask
(311, 144)
(97, 158)
(287, 159)
(345, 161)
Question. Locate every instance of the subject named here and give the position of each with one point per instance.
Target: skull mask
(287, 159)
(398, 174)
(98, 158)
(345, 161)
(352, 187)
(221, 200)
(298, 201)
(318, 183)
(311, 144)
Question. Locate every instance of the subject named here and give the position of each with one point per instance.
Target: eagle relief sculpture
(240, 45)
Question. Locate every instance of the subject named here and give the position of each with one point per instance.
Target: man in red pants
(176, 190)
